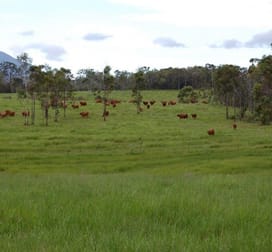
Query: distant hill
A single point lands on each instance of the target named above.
(4, 57)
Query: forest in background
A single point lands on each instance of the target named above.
(247, 90)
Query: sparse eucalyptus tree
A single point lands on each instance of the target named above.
(108, 85)
(138, 86)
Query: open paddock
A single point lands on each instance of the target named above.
(135, 182)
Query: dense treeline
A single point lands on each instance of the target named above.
(169, 78)
(246, 90)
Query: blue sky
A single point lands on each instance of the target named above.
(127, 34)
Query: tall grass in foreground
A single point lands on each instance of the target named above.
(147, 182)
(135, 213)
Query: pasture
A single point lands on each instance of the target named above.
(147, 182)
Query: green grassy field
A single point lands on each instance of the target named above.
(147, 182)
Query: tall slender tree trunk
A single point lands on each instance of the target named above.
(33, 110)
(64, 104)
(46, 114)
(227, 107)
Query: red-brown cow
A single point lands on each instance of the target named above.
(106, 113)
(84, 114)
(172, 102)
(234, 126)
(152, 102)
(11, 113)
(211, 132)
(182, 115)
(145, 103)
(7, 113)
(194, 116)
(83, 103)
(114, 102)
(164, 103)
(25, 113)
(3, 114)
(75, 106)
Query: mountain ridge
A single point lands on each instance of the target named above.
(4, 57)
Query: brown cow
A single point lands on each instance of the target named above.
(3, 114)
(63, 104)
(75, 106)
(172, 102)
(152, 102)
(84, 114)
(11, 113)
(182, 115)
(25, 113)
(211, 132)
(194, 116)
(83, 103)
(234, 126)
(114, 103)
(106, 113)
(7, 113)
(164, 103)
(145, 103)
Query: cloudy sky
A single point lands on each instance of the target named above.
(128, 34)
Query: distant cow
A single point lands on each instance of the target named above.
(25, 113)
(7, 113)
(172, 102)
(63, 104)
(106, 113)
(84, 114)
(194, 116)
(211, 132)
(182, 115)
(114, 102)
(234, 126)
(145, 103)
(164, 103)
(11, 113)
(75, 106)
(152, 102)
(3, 114)
(83, 103)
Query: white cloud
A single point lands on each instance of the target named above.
(96, 36)
(212, 13)
(260, 40)
(128, 34)
(52, 52)
(27, 33)
(167, 42)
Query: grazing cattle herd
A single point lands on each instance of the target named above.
(7, 113)
(113, 103)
